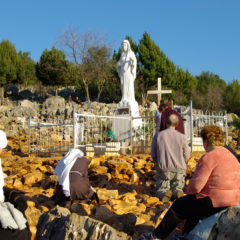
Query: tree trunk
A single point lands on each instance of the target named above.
(100, 88)
(2, 95)
(144, 98)
(87, 90)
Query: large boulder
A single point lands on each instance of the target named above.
(54, 102)
(11, 91)
(54, 106)
(60, 224)
(227, 226)
(21, 111)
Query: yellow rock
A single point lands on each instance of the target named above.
(140, 164)
(152, 201)
(105, 194)
(17, 183)
(96, 161)
(32, 214)
(135, 178)
(100, 169)
(128, 159)
(33, 177)
(81, 208)
(143, 218)
(33, 231)
(31, 204)
(129, 197)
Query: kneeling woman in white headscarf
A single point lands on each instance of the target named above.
(13, 224)
(74, 183)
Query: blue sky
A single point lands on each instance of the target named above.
(196, 35)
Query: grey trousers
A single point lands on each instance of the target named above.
(167, 180)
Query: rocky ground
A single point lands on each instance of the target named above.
(125, 185)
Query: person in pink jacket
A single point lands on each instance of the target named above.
(214, 186)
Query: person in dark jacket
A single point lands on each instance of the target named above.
(74, 182)
(167, 111)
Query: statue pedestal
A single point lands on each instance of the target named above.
(123, 110)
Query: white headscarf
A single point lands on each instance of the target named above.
(64, 166)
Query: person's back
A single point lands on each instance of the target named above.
(165, 114)
(223, 173)
(80, 188)
(172, 150)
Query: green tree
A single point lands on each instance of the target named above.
(9, 62)
(53, 68)
(153, 63)
(185, 86)
(28, 68)
(232, 97)
(211, 88)
(98, 61)
(76, 46)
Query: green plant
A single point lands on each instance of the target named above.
(236, 123)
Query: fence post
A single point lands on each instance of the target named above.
(74, 129)
(131, 129)
(226, 127)
(191, 125)
(29, 135)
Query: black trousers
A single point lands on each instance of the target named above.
(7, 234)
(187, 208)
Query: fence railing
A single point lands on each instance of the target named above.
(195, 120)
(49, 137)
(108, 134)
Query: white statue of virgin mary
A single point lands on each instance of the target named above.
(126, 68)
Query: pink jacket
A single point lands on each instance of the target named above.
(217, 176)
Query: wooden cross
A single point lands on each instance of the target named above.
(159, 91)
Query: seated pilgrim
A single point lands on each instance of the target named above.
(215, 185)
(74, 183)
(13, 224)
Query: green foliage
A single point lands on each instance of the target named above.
(209, 92)
(28, 68)
(150, 64)
(54, 69)
(16, 67)
(9, 63)
(99, 64)
(206, 79)
(236, 122)
(111, 91)
(232, 97)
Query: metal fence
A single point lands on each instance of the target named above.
(113, 133)
(50, 137)
(195, 120)
(110, 134)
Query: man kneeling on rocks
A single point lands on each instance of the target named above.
(170, 152)
(74, 183)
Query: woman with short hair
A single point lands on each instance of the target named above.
(214, 186)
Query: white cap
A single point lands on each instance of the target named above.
(3, 139)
